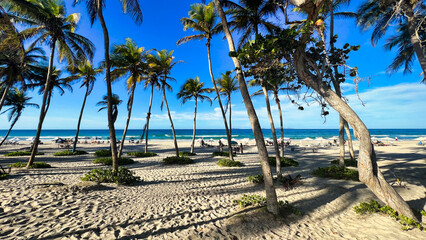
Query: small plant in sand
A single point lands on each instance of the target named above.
(103, 153)
(177, 160)
(3, 175)
(108, 161)
(69, 153)
(35, 165)
(348, 162)
(375, 207)
(285, 162)
(251, 200)
(222, 154)
(289, 182)
(336, 172)
(122, 176)
(256, 179)
(186, 154)
(21, 153)
(141, 154)
(286, 207)
(229, 163)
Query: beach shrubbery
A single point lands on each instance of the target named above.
(108, 161)
(229, 163)
(69, 153)
(141, 154)
(336, 172)
(35, 165)
(177, 160)
(3, 176)
(222, 154)
(103, 153)
(348, 162)
(285, 162)
(251, 200)
(186, 154)
(256, 179)
(122, 176)
(21, 153)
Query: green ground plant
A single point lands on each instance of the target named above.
(108, 161)
(250, 200)
(286, 207)
(186, 154)
(35, 165)
(348, 162)
(177, 160)
(256, 179)
(103, 153)
(336, 172)
(224, 162)
(222, 154)
(3, 176)
(21, 153)
(285, 162)
(69, 153)
(141, 154)
(122, 176)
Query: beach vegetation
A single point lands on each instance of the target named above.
(3, 175)
(256, 179)
(222, 154)
(142, 154)
(336, 172)
(34, 165)
(187, 154)
(226, 85)
(70, 153)
(177, 160)
(103, 153)
(348, 162)
(251, 200)
(108, 160)
(225, 162)
(21, 153)
(121, 176)
(285, 162)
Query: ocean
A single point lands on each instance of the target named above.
(186, 134)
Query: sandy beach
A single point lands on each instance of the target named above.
(196, 201)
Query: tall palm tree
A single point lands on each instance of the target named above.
(151, 81)
(271, 195)
(18, 101)
(227, 85)
(129, 61)
(203, 19)
(115, 102)
(95, 10)
(162, 63)
(193, 89)
(49, 24)
(87, 73)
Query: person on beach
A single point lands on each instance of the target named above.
(220, 146)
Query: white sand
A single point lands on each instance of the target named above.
(196, 201)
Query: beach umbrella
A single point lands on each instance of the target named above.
(386, 139)
(319, 139)
(55, 139)
(333, 138)
(420, 139)
(307, 139)
(234, 142)
(30, 139)
(15, 139)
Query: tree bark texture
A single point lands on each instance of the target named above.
(79, 120)
(171, 120)
(129, 115)
(148, 116)
(195, 126)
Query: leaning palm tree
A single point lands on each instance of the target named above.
(115, 102)
(227, 85)
(87, 73)
(49, 24)
(193, 89)
(203, 19)
(128, 61)
(18, 101)
(151, 81)
(162, 63)
(95, 9)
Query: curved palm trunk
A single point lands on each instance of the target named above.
(128, 119)
(195, 123)
(43, 109)
(350, 144)
(171, 120)
(230, 114)
(271, 195)
(3, 97)
(277, 101)
(111, 127)
(274, 134)
(79, 120)
(148, 116)
(10, 129)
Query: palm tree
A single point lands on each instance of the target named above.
(153, 82)
(203, 19)
(193, 89)
(162, 63)
(128, 61)
(227, 85)
(95, 10)
(87, 73)
(271, 195)
(115, 102)
(18, 101)
(52, 26)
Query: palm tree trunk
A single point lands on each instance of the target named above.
(128, 119)
(6, 91)
(10, 129)
(148, 116)
(195, 123)
(171, 120)
(341, 141)
(111, 128)
(43, 109)
(271, 195)
(274, 134)
(350, 144)
(277, 101)
(228, 136)
(230, 114)
(79, 120)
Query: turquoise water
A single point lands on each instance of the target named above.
(403, 134)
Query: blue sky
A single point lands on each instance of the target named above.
(391, 101)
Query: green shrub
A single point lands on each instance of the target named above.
(364, 208)
(255, 178)
(249, 200)
(222, 154)
(35, 165)
(3, 176)
(336, 172)
(177, 160)
(285, 162)
(287, 207)
(103, 153)
(122, 176)
(69, 153)
(141, 154)
(422, 212)
(348, 162)
(21, 153)
(186, 154)
(108, 161)
(229, 163)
